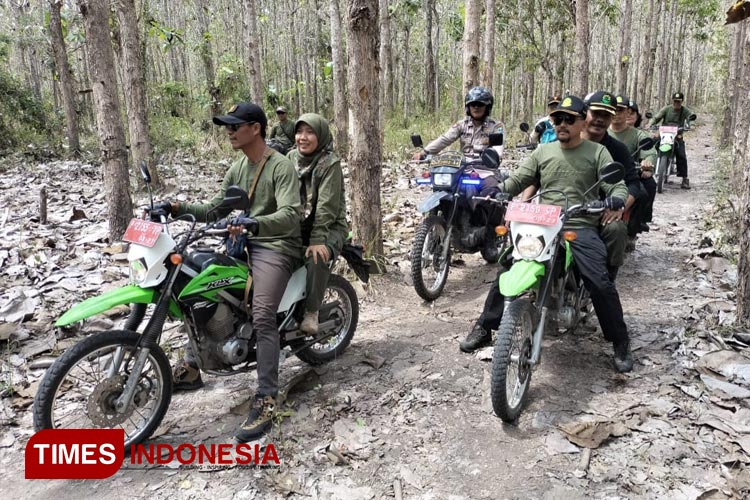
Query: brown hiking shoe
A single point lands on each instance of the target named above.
(259, 421)
(310, 323)
(186, 377)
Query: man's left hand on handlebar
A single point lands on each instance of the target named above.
(239, 225)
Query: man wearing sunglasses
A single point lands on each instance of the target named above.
(570, 165)
(275, 248)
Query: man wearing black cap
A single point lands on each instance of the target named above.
(544, 131)
(275, 248)
(283, 132)
(602, 109)
(570, 165)
(676, 115)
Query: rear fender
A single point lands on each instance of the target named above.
(129, 294)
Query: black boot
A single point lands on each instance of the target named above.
(259, 421)
(623, 357)
(186, 377)
(477, 337)
(685, 183)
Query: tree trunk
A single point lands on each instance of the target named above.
(648, 57)
(363, 39)
(107, 110)
(205, 52)
(134, 87)
(339, 81)
(471, 44)
(406, 77)
(386, 61)
(65, 76)
(623, 62)
(581, 78)
(488, 56)
(251, 40)
(743, 159)
(429, 79)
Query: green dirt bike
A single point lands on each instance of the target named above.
(122, 378)
(542, 289)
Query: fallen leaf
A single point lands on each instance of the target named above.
(592, 434)
(557, 444)
(724, 390)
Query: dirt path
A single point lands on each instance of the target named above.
(421, 425)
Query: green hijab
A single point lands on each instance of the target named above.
(322, 131)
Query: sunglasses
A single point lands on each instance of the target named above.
(569, 119)
(477, 104)
(234, 127)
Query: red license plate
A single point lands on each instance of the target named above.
(142, 232)
(532, 213)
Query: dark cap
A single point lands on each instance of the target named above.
(622, 101)
(633, 105)
(571, 105)
(678, 96)
(601, 101)
(244, 112)
(553, 100)
(280, 109)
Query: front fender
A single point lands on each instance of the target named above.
(522, 275)
(433, 200)
(129, 294)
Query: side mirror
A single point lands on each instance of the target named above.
(496, 139)
(145, 173)
(490, 157)
(612, 172)
(416, 140)
(693, 117)
(649, 115)
(235, 197)
(524, 127)
(646, 143)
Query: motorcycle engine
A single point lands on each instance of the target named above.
(218, 339)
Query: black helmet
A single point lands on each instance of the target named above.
(479, 94)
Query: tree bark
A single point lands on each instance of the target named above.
(134, 87)
(107, 110)
(386, 61)
(67, 82)
(623, 63)
(251, 40)
(743, 159)
(581, 78)
(205, 52)
(339, 81)
(363, 38)
(471, 44)
(488, 56)
(429, 79)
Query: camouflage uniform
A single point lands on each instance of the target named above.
(474, 139)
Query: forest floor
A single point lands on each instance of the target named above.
(409, 415)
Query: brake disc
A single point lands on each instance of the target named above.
(101, 403)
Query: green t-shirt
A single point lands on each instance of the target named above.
(275, 203)
(631, 137)
(668, 116)
(572, 171)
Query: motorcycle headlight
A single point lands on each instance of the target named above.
(529, 247)
(138, 271)
(442, 179)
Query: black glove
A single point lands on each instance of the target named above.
(502, 196)
(608, 203)
(540, 128)
(248, 222)
(160, 208)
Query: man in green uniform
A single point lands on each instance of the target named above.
(283, 132)
(676, 115)
(275, 248)
(570, 165)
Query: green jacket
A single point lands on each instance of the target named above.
(668, 116)
(571, 171)
(322, 179)
(631, 137)
(275, 203)
(283, 132)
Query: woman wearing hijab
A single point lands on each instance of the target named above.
(322, 194)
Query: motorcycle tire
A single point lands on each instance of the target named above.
(659, 174)
(511, 379)
(333, 346)
(99, 350)
(423, 258)
(666, 169)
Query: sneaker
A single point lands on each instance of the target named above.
(477, 337)
(685, 183)
(259, 421)
(623, 357)
(309, 323)
(186, 377)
